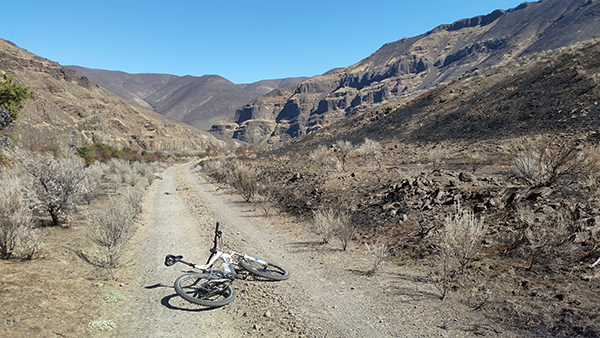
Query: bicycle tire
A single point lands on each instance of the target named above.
(271, 271)
(195, 288)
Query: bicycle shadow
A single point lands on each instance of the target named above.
(174, 302)
(170, 300)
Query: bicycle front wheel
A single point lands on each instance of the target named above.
(196, 288)
(270, 270)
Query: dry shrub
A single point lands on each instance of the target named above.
(540, 162)
(463, 233)
(324, 222)
(379, 253)
(244, 180)
(547, 234)
(17, 236)
(216, 169)
(371, 150)
(460, 242)
(329, 223)
(110, 229)
(341, 150)
(321, 156)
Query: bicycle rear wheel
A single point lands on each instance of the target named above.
(270, 271)
(196, 288)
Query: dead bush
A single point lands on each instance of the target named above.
(110, 229)
(547, 234)
(378, 252)
(321, 156)
(341, 150)
(543, 163)
(462, 236)
(371, 150)
(244, 180)
(329, 223)
(324, 223)
(459, 244)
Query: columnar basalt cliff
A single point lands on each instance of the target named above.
(70, 111)
(411, 65)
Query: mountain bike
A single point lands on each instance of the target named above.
(213, 288)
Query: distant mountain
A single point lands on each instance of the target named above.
(198, 101)
(410, 65)
(69, 111)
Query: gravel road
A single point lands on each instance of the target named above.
(327, 295)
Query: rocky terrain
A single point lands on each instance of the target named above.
(70, 111)
(198, 101)
(409, 65)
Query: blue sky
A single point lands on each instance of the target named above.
(243, 41)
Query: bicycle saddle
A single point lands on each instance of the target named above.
(171, 259)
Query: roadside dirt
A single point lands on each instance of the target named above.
(327, 295)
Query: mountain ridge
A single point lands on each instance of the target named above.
(410, 65)
(200, 101)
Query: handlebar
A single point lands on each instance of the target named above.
(213, 250)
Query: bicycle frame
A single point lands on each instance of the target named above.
(227, 258)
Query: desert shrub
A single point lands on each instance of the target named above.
(111, 228)
(244, 179)
(463, 233)
(321, 156)
(17, 236)
(59, 183)
(324, 224)
(542, 163)
(329, 223)
(341, 151)
(216, 169)
(142, 168)
(547, 234)
(379, 253)
(371, 150)
(443, 274)
(459, 244)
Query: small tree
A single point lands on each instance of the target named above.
(59, 183)
(12, 96)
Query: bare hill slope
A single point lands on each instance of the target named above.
(198, 101)
(70, 111)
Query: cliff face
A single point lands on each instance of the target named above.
(413, 64)
(70, 111)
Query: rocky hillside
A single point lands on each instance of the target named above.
(70, 111)
(412, 64)
(198, 101)
(552, 92)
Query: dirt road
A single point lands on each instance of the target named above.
(327, 295)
